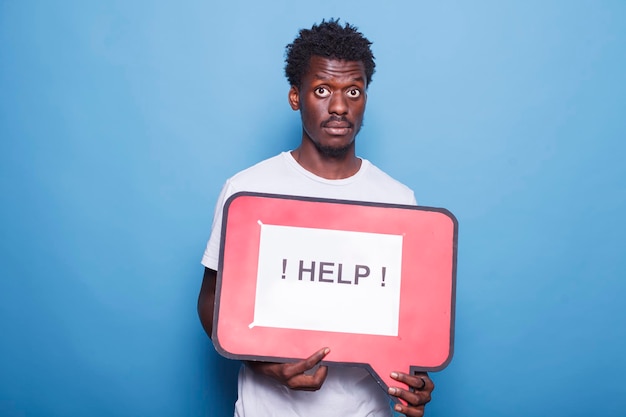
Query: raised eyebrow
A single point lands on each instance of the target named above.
(355, 79)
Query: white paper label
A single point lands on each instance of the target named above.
(328, 280)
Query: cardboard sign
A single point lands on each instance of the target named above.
(373, 282)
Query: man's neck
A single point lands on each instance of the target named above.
(325, 166)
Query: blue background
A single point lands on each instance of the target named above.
(120, 121)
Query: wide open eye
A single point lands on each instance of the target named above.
(354, 93)
(322, 92)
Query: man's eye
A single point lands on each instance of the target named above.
(354, 93)
(322, 92)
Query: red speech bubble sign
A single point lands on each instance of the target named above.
(374, 282)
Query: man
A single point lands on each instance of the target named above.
(329, 68)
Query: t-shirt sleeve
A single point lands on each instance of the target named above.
(211, 256)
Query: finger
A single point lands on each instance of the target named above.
(409, 411)
(429, 385)
(320, 375)
(308, 382)
(420, 385)
(418, 382)
(412, 399)
(309, 363)
(315, 381)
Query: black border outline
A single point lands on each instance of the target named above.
(367, 366)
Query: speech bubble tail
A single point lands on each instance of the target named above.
(382, 374)
(251, 325)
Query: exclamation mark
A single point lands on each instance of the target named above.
(284, 267)
(382, 284)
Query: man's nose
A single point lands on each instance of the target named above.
(338, 104)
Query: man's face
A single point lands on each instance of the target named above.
(331, 101)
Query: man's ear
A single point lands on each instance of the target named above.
(294, 98)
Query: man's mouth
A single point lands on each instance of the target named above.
(337, 124)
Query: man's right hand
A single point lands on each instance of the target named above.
(294, 375)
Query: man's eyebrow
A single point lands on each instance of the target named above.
(324, 78)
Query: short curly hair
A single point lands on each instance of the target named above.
(330, 40)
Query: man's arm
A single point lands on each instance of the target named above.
(291, 375)
(206, 300)
(418, 395)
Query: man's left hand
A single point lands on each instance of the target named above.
(416, 397)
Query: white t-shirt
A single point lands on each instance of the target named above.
(347, 391)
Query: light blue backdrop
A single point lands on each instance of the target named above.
(120, 120)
